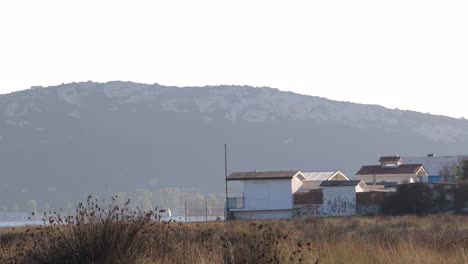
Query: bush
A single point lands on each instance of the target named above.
(418, 198)
(92, 235)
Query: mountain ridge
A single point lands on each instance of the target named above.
(108, 137)
(223, 86)
(144, 93)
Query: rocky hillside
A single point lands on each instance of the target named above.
(63, 141)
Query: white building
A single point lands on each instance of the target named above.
(265, 195)
(314, 179)
(435, 164)
(392, 170)
(339, 197)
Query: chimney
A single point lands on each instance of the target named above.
(390, 161)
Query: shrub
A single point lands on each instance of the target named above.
(418, 198)
(92, 235)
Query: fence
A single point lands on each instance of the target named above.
(236, 202)
(204, 209)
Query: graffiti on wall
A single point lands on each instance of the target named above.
(339, 206)
(308, 210)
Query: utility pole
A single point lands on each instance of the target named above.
(185, 210)
(206, 210)
(225, 181)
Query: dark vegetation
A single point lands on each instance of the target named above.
(461, 198)
(420, 199)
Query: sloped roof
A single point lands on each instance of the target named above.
(262, 175)
(340, 183)
(318, 175)
(408, 169)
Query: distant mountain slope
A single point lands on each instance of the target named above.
(76, 138)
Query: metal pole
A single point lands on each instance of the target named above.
(206, 210)
(225, 181)
(185, 210)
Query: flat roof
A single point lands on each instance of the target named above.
(262, 175)
(340, 183)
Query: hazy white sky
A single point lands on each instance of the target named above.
(406, 54)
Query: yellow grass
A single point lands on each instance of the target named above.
(407, 239)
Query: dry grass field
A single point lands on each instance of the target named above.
(136, 239)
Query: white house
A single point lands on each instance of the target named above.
(314, 179)
(339, 197)
(392, 170)
(265, 195)
(435, 165)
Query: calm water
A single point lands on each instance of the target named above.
(21, 219)
(20, 223)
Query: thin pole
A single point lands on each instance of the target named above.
(185, 210)
(225, 181)
(206, 210)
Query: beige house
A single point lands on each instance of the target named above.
(392, 170)
(314, 179)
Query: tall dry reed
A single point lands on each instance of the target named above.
(116, 235)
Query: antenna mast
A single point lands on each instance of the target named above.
(225, 182)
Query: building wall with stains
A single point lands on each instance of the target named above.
(268, 195)
(339, 201)
(301, 210)
(264, 215)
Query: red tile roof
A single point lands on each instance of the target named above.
(408, 169)
(262, 175)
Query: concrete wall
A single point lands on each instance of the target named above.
(264, 215)
(308, 210)
(268, 194)
(339, 201)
